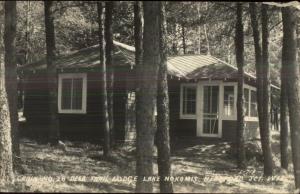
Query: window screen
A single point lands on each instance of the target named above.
(71, 96)
(66, 93)
(229, 100)
(253, 107)
(189, 100)
(246, 101)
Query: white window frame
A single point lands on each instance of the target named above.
(250, 118)
(234, 115)
(84, 92)
(188, 116)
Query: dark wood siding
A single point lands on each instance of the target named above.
(229, 130)
(179, 127)
(88, 126)
(76, 126)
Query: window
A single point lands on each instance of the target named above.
(72, 93)
(250, 103)
(253, 107)
(246, 101)
(229, 101)
(188, 100)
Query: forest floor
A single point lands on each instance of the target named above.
(207, 167)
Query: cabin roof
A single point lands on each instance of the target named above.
(201, 67)
(192, 67)
(86, 58)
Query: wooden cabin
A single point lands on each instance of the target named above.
(202, 94)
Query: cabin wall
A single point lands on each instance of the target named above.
(229, 130)
(88, 126)
(188, 127)
(75, 126)
(179, 127)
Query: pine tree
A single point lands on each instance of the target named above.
(104, 107)
(266, 90)
(239, 48)
(146, 96)
(163, 136)
(289, 60)
(6, 161)
(108, 36)
(11, 82)
(51, 72)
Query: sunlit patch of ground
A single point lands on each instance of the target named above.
(80, 167)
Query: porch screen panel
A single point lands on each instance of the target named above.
(189, 100)
(211, 109)
(253, 107)
(228, 100)
(66, 93)
(77, 94)
(246, 101)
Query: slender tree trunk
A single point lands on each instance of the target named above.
(104, 106)
(11, 81)
(207, 41)
(265, 132)
(258, 61)
(174, 42)
(6, 155)
(51, 72)
(205, 31)
(138, 42)
(199, 28)
(138, 35)
(289, 61)
(183, 33)
(6, 161)
(108, 35)
(27, 35)
(163, 136)
(239, 48)
(284, 141)
(146, 101)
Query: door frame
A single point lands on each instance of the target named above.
(200, 89)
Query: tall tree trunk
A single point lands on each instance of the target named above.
(27, 35)
(239, 49)
(284, 141)
(183, 34)
(104, 106)
(138, 35)
(163, 136)
(51, 72)
(199, 28)
(138, 43)
(205, 31)
(258, 61)
(11, 82)
(147, 93)
(289, 60)
(6, 161)
(174, 42)
(6, 155)
(108, 35)
(265, 132)
(207, 41)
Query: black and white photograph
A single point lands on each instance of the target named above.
(149, 97)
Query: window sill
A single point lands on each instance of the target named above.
(188, 117)
(251, 118)
(72, 112)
